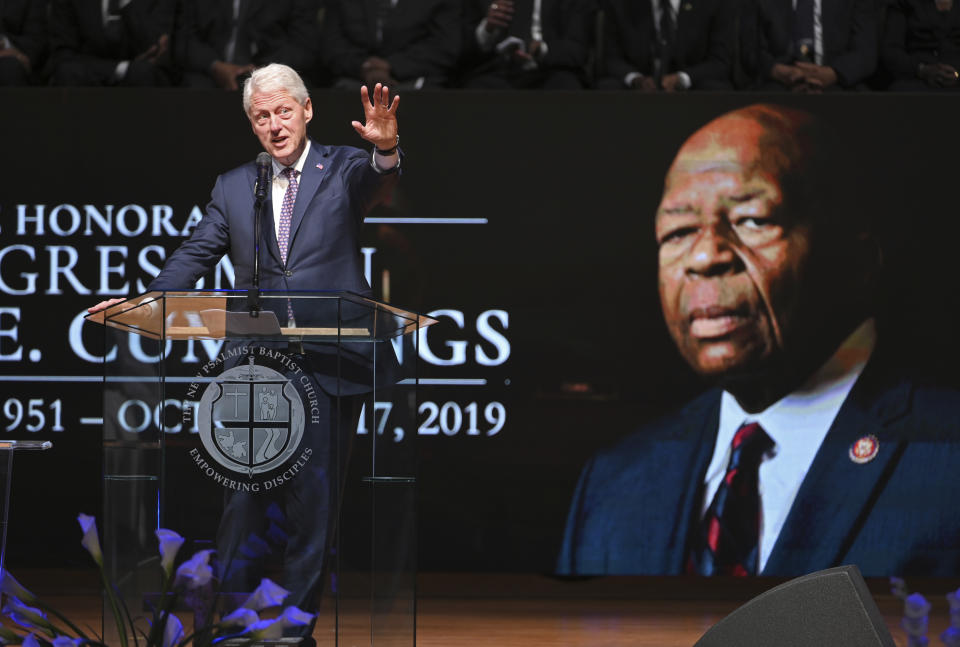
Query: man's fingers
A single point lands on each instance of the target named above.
(385, 97)
(364, 97)
(358, 127)
(103, 305)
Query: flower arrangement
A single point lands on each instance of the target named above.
(35, 624)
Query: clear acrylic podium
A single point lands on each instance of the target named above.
(8, 449)
(286, 446)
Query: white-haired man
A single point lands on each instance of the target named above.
(317, 200)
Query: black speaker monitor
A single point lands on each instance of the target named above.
(822, 609)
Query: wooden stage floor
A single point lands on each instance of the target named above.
(532, 611)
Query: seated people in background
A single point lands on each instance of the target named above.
(921, 45)
(667, 45)
(23, 34)
(817, 449)
(527, 43)
(406, 45)
(783, 51)
(221, 41)
(115, 42)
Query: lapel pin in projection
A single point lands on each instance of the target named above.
(320, 166)
(864, 450)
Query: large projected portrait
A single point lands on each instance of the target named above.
(676, 334)
(815, 448)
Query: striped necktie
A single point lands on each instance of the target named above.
(286, 211)
(283, 230)
(727, 541)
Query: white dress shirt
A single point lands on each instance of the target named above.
(797, 424)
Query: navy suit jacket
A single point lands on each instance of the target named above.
(850, 38)
(704, 34)
(24, 23)
(566, 24)
(338, 185)
(77, 33)
(420, 38)
(916, 32)
(635, 505)
(269, 31)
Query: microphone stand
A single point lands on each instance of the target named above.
(253, 293)
(260, 196)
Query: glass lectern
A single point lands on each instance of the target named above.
(276, 433)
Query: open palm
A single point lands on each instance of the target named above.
(380, 117)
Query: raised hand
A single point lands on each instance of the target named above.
(380, 116)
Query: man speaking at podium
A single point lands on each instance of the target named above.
(315, 205)
(815, 451)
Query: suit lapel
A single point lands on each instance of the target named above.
(700, 428)
(836, 494)
(311, 177)
(268, 230)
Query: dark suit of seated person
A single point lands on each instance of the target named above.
(921, 45)
(23, 35)
(219, 42)
(782, 49)
(521, 44)
(407, 45)
(116, 42)
(667, 45)
(816, 450)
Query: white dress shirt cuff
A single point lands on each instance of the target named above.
(121, 71)
(485, 39)
(542, 52)
(385, 163)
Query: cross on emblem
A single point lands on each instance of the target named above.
(251, 422)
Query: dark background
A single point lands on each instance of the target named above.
(568, 183)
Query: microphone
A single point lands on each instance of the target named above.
(264, 164)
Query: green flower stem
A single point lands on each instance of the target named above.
(121, 629)
(9, 635)
(133, 628)
(168, 601)
(64, 619)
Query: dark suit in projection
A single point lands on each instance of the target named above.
(636, 502)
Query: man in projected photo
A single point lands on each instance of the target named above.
(814, 451)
